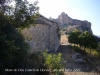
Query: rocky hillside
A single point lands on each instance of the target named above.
(68, 24)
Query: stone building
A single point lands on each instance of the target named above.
(44, 35)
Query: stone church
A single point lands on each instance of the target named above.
(42, 36)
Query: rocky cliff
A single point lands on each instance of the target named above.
(68, 24)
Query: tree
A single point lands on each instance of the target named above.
(74, 37)
(81, 41)
(22, 14)
(93, 43)
(13, 48)
(98, 47)
(84, 40)
(77, 35)
(88, 41)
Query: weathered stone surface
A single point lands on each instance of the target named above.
(43, 35)
(65, 21)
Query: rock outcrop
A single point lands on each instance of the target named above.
(70, 24)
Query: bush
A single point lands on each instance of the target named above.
(42, 60)
(96, 53)
(54, 62)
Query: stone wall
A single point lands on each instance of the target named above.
(42, 36)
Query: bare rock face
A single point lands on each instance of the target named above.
(65, 21)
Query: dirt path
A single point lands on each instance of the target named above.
(71, 67)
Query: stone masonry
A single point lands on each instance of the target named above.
(43, 35)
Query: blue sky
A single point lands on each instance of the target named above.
(77, 9)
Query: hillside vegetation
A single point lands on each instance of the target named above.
(86, 44)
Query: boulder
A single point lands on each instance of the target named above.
(76, 56)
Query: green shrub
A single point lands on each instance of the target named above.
(54, 62)
(42, 60)
(96, 53)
